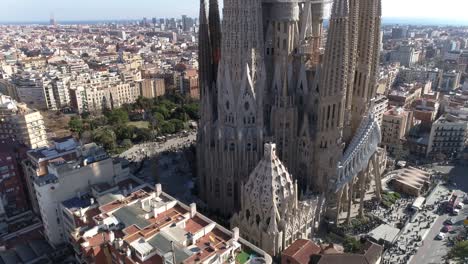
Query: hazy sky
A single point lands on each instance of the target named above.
(40, 10)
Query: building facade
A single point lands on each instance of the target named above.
(21, 124)
(263, 79)
(271, 216)
(448, 137)
(66, 180)
(136, 223)
(98, 97)
(396, 124)
(36, 163)
(13, 199)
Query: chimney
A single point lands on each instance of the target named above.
(158, 189)
(193, 209)
(118, 243)
(235, 233)
(155, 212)
(91, 200)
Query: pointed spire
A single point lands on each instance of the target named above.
(204, 59)
(215, 32)
(340, 8)
(203, 17)
(273, 225)
(306, 26)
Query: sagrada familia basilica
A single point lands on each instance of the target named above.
(287, 131)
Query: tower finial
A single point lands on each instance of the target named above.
(340, 8)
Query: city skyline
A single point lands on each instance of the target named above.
(33, 11)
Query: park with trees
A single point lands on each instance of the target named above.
(145, 120)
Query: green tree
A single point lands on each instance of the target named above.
(168, 104)
(161, 109)
(192, 110)
(126, 143)
(98, 122)
(75, 125)
(178, 124)
(85, 115)
(180, 114)
(143, 103)
(159, 117)
(117, 116)
(105, 137)
(86, 136)
(459, 251)
(128, 107)
(351, 245)
(167, 128)
(142, 134)
(124, 132)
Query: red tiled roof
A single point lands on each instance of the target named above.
(301, 250)
(194, 224)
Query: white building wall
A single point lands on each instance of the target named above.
(69, 184)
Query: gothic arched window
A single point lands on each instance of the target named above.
(217, 189)
(229, 189)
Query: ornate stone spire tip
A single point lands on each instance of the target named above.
(270, 150)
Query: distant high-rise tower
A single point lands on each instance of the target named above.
(52, 21)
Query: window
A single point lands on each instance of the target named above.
(217, 189)
(229, 189)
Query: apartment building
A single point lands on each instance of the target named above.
(35, 90)
(406, 55)
(380, 107)
(67, 179)
(98, 97)
(420, 74)
(396, 123)
(151, 88)
(13, 199)
(450, 81)
(405, 95)
(21, 124)
(36, 163)
(448, 137)
(142, 224)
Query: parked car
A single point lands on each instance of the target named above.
(449, 221)
(465, 199)
(446, 228)
(456, 211)
(459, 206)
(440, 236)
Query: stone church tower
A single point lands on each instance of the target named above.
(264, 77)
(230, 138)
(271, 216)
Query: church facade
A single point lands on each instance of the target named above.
(271, 215)
(266, 77)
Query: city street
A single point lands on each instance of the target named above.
(139, 152)
(165, 163)
(432, 250)
(410, 237)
